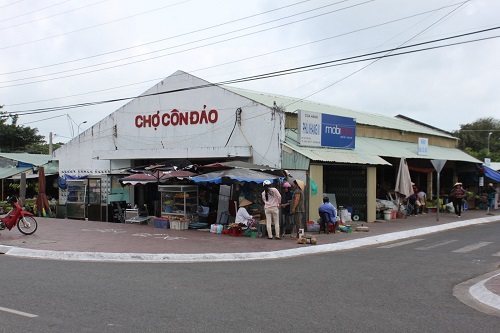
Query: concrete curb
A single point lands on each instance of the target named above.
(483, 295)
(225, 257)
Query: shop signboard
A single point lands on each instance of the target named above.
(326, 130)
(423, 146)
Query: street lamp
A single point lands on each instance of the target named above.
(489, 134)
(84, 122)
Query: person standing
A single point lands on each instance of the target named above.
(329, 213)
(422, 199)
(297, 206)
(412, 199)
(457, 194)
(272, 201)
(491, 193)
(285, 207)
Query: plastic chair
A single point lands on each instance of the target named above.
(224, 218)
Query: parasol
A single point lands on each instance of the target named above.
(403, 179)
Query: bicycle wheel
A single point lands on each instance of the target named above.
(27, 225)
(409, 209)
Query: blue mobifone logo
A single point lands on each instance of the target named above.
(338, 132)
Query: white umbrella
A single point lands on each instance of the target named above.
(403, 180)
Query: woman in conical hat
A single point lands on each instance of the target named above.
(242, 215)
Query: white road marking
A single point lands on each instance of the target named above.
(472, 247)
(401, 243)
(436, 245)
(20, 313)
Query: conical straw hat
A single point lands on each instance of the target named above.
(301, 184)
(245, 202)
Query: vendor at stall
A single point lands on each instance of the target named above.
(242, 215)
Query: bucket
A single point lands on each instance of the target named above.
(387, 214)
(168, 209)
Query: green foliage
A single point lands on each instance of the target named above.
(18, 139)
(474, 138)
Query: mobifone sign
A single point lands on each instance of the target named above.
(326, 130)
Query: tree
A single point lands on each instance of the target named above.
(14, 138)
(475, 138)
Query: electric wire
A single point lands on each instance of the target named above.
(10, 4)
(168, 54)
(338, 62)
(34, 11)
(378, 59)
(149, 43)
(248, 58)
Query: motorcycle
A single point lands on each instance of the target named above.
(24, 220)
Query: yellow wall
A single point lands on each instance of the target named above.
(371, 194)
(315, 200)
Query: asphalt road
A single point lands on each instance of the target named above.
(398, 287)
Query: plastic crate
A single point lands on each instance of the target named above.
(161, 223)
(313, 227)
(178, 225)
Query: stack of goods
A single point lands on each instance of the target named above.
(179, 223)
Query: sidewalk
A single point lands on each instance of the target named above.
(66, 239)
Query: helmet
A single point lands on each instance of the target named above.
(266, 183)
(286, 184)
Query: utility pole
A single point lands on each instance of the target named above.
(50, 144)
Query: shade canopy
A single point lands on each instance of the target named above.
(232, 175)
(157, 176)
(490, 173)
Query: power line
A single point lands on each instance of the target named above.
(175, 46)
(34, 11)
(338, 62)
(144, 44)
(12, 3)
(254, 56)
(378, 59)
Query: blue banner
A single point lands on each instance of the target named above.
(338, 132)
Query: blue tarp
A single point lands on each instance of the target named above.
(490, 173)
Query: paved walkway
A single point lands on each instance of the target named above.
(66, 239)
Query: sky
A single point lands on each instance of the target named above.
(58, 53)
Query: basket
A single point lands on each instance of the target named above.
(161, 223)
(178, 225)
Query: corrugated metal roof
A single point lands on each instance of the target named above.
(326, 154)
(495, 166)
(371, 151)
(9, 172)
(400, 149)
(293, 104)
(34, 159)
(323, 154)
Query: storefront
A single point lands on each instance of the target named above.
(186, 117)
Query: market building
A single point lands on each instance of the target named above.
(349, 154)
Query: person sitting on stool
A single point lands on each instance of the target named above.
(328, 211)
